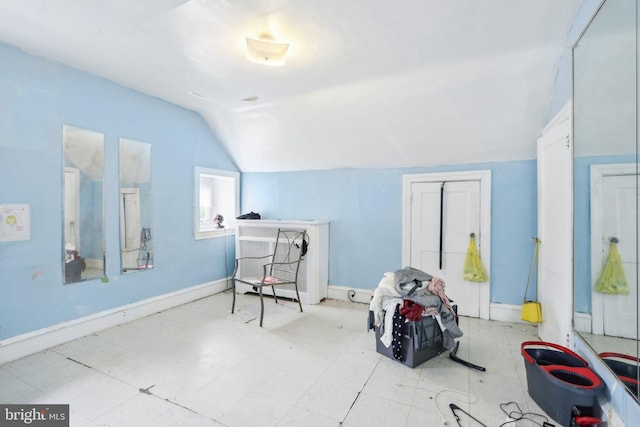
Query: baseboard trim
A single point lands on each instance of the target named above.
(506, 313)
(499, 312)
(344, 293)
(97, 264)
(582, 322)
(33, 342)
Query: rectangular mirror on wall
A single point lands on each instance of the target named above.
(83, 233)
(606, 239)
(136, 231)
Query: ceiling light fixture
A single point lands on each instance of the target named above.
(266, 51)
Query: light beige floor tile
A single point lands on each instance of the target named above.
(369, 410)
(200, 365)
(32, 363)
(255, 410)
(16, 390)
(296, 417)
(138, 410)
(328, 399)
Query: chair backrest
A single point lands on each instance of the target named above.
(291, 247)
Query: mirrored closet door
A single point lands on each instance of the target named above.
(83, 210)
(136, 230)
(606, 240)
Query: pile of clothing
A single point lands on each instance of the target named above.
(409, 294)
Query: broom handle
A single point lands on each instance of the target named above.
(533, 260)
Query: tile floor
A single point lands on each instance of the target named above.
(200, 365)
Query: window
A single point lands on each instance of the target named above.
(217, 193)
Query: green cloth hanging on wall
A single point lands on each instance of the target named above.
(473, 270)
(612, 280)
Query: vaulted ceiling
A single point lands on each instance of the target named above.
(367, 83)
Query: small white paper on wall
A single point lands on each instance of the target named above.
(14, 223)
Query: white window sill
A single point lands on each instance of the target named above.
(214, 233)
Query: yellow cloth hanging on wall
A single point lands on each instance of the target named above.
(473, 270)
(612, 280)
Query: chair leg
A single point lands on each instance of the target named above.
(273, 289)
(298, 295)
(261, 307)
(233, 291)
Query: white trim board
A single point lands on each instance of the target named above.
(33, 342)
(582, 322)
(343, 293)
(507, 313)
(499, 312)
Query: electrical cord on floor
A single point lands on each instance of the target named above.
(517, 415)
(446, 390)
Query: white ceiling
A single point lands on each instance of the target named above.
(368, 83)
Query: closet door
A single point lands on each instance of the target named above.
(620, 201)
(130, 228)
(71, 209)
(461, 216)
(613, 215)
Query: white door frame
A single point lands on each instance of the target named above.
(123, 238)
(75, 172)
(597, 173)
(484, 176)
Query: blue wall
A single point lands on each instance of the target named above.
(38, 98)
(364, 207)
(562, 87)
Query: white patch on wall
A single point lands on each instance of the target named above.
(14, 223)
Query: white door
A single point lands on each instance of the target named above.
(618, 203)
(555, 221)
(71, 209)
(129, 228)
(461, 217)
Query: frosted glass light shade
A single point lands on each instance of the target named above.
(266, 51)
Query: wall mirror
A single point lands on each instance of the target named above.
(83, 232)
(136, 231)
(605, 133)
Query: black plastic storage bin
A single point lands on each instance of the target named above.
(559, 380)
(421, 341)
(73, 270)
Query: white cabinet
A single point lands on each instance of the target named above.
(257, 237)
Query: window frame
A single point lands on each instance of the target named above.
(229, 228)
